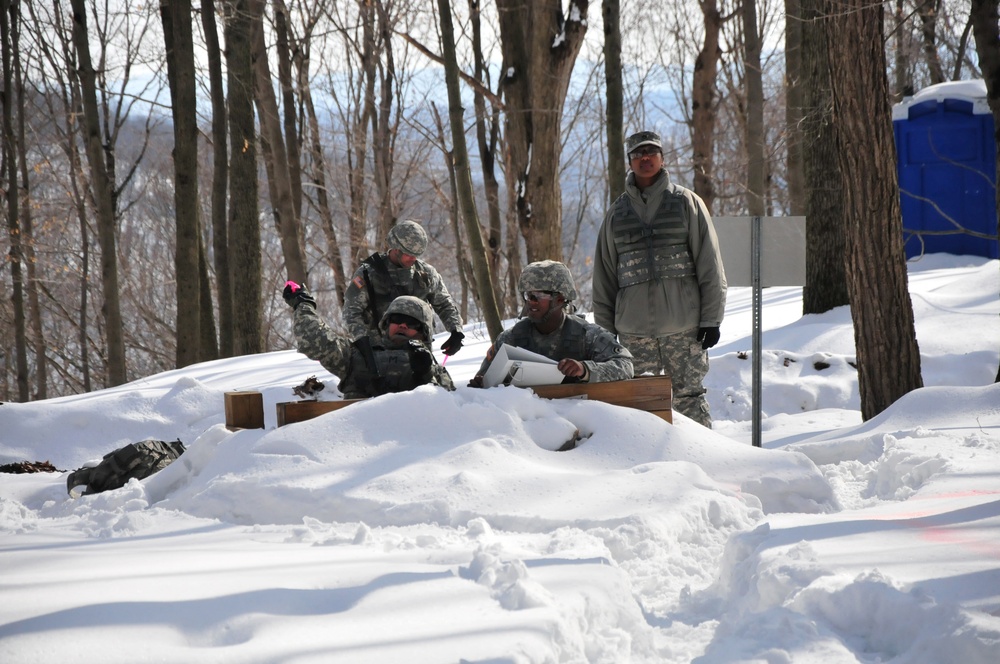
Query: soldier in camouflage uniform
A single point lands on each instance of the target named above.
(402, 360)
(382, 277)
(659, 283)
(586, 353)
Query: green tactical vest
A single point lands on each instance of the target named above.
(658, 250)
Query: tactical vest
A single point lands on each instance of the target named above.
(572, 343)
(394, 368)
(658, 250)
(382, 291)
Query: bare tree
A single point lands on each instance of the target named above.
(101, 186)
(756, 168)
(986, 28)
(876, 267)
(177, 34)
(826, 279)
(703, 104)
(244, 225)
(463, 177)
(615, 130)
(793, 108)
(540, 44)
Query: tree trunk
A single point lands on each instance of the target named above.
(463, 176)
(220, 176)
(826, 279)
(615, 126)
(986, 28)
(176, 17)
(888, 355)
(488, 137)
(756, 166)
(102, 191)
(12, 194)
(928, 11)
(244, 225)
(704, 112)
(795, 176)
(276, 154)
(539, 45)
(383, 130)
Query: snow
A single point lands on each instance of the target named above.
(439, 527)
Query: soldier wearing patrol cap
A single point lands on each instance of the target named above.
(382, 277)
(586, 353)
(400, 361)
(659, 282)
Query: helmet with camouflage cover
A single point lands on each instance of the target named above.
(550, 276)
(408, 237)
(413, 307)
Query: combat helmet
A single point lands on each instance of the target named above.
(550, 276)
(408, 237)
(413, 307)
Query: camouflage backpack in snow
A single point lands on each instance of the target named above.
(138, 460)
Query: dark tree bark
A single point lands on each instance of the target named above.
(244, 226)
(888, 355)
(986, 28)
(929, 11)
(704, 111)
(463, 177)
(793, 108)
(756, 164)
(103, 196)
(177, 34)
(220, 179)
(826, 279)
(615, 126)
(539, 44)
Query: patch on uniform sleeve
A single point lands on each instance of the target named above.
(358, 281)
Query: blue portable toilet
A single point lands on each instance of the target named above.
(946, 159)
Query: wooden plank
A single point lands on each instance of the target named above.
(649, 393)
(290, 412)
(244, 410)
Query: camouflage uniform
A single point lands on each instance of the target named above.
(317, 341)
(604, 358)
(379, 281)
(658, 279)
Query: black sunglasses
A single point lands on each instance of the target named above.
(538, 296)
(408, 321)
(645, 151)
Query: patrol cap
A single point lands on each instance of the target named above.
(413, 307)
(550, 276)
(641, 138)
(408, 237)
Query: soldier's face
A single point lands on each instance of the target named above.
(538, 304)
(400, 331)
(401, 259)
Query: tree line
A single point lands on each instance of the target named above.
(167, 167)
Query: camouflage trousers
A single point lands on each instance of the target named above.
(681, 357)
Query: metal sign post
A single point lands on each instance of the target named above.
(776, 257)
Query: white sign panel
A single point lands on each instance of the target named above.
(783, 250)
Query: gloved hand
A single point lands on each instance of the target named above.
(420, 358)
(708, 336)
(296, 294)
(454, 343)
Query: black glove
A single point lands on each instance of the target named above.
(420, 358)
(296, 294)
(708, 336)
(453, 344)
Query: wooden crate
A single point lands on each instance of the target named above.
(244, 410)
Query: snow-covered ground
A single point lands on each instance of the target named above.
(439, 527)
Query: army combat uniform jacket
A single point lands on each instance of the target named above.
(338, 356)
(379, 281)
(606, 359)
(658, 268)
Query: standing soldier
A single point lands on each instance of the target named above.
(659, 283)
(382, 277)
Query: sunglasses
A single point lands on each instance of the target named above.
(645, 151)
(538, 295)
(408, 321)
